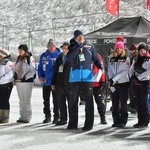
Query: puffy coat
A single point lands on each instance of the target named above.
(6, 71)
(142, 72)
(28, 68)
(46, 66)
(61, 72)
(118, 69)
(82, 68)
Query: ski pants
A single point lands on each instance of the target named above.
(24, 90)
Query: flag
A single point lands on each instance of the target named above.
(112, 6)
(148, 4)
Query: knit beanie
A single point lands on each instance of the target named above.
(64, 44)
(23, 47)
(77, 33)
(50, 42)
(119, 38)
(133, 47)
(119, 45)
(142, 45)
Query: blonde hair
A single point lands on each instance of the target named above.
(123, 54)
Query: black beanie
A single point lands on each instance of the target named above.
(23, 47)
(142, 45)
(77, 33)
(65, 44)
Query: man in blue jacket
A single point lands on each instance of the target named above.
(81, 56)
(45, 73)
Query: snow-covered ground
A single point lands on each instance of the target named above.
(38, 136)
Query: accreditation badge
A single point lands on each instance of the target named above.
(81, 57)
(60, 68)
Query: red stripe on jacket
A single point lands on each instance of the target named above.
(95, 70)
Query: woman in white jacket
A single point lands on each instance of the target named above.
(118, 70)
(24, 71)
(140, 76)
(6, 85)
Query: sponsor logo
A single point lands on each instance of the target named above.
(112, 34)
(92, 41)
(107, 41)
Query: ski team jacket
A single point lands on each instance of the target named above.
(28, 70)
(145, 76)
(46, 66)
(82, 71)
(61, 72)
(118, 69)
(6, 72)
(95, 71)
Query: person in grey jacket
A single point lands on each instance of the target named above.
(118, 69)
(24, 71)
(6, 84)
(140, 76)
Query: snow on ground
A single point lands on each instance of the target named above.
(38, 136)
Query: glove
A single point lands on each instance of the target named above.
(111, 82)
(102, 85)
(134, 80)
(15, 76)
(67, 88)
(72, 41)
(23, 79)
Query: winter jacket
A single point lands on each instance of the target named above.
(6, 71)
(81, 58)
(118, 69)
(96, 70)
(28, 69)
(46, 66)
(141, 71)
(61, 72)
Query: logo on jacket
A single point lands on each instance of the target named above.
(87, 46)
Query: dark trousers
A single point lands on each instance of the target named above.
(141, 97)
(5, 91)
(119, 104)
(46, 97)
(132, 103)
(73, 104)
(98, 94)
(82, 95)
(63, 97)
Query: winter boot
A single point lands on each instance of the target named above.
(47, 119)
(103, 120)
(1, 114)
(56, 119)
(5, 116)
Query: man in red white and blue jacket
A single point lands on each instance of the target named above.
(81, 57)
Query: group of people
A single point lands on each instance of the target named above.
(68, 73)
(22, 73)
(78, 67)
(129, 75)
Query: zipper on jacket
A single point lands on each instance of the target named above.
(81, 68)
